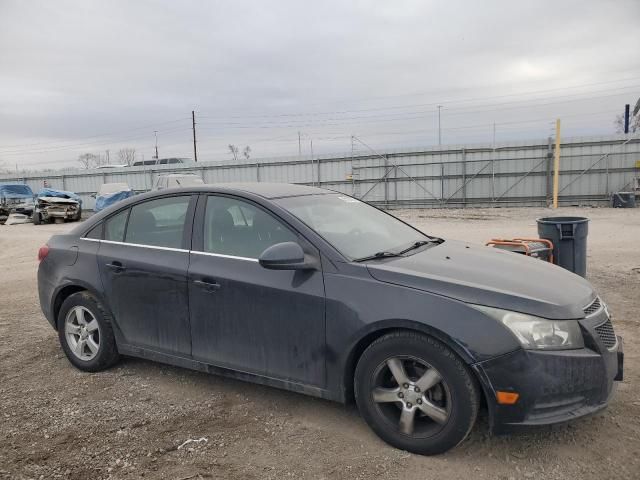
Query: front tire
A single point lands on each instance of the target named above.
(415, 393)
(86, 334)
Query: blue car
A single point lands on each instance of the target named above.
(15, 198)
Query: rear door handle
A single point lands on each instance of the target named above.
(207, 285)
(117, 267)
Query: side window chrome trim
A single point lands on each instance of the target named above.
(246, 259)
(139, 245)
(233, 257)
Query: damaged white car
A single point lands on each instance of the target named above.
(56, 206)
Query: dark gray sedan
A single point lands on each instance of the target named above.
(314, 291)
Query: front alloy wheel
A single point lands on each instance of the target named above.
(412, 394)
(416, 393)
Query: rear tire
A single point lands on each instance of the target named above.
(86, 334)
(415, 393)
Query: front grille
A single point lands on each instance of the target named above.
(593, 307)
(606, 334)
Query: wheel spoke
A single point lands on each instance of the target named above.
(385, 395)
(72, 329)
(92, 326)
(434, 412)
(397, 370)
(406, 420)
(430, 378)
(93, 346)
(78, 349)
(80, 316)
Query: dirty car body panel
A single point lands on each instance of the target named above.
(304, 330)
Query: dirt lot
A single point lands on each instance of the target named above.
(56, 422)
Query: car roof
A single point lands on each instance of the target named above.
(262, 189)
(268, 190)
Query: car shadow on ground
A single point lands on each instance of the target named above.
(344, 420)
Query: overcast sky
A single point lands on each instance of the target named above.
(87, 76)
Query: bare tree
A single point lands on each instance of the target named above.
(634, 123)
(246, 152)
(127, 156)
(89, 160)
(234, 151)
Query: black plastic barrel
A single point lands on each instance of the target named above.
(569, 238)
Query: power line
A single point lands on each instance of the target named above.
(100, 134)
(403, 115)
(447, 101)
(88, 144)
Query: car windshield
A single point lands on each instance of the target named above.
(15, 190)
(354, 228)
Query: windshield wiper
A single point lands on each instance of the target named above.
(418, 244)
(377, 256)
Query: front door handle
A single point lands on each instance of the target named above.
(210, 286)
(117, 267)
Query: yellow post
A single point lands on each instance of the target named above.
(556, 165)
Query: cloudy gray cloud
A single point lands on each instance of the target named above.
(86, 76)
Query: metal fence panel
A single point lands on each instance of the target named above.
(510, 173)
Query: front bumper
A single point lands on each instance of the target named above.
(554, 386)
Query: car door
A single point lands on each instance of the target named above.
(143, 261)
(243, 316)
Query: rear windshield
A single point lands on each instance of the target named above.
(17, 190)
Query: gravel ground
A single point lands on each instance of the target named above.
(131, 421)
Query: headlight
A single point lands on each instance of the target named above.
(538, 333)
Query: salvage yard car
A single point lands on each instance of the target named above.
(56, 206)
(15, 198)
(314, 291)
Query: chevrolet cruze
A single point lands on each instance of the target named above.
(317, 292)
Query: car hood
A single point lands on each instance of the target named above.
(489, 276)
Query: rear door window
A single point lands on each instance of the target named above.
(95, 233)
(158, 222)
(114, 226)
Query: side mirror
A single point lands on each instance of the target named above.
(284, 256)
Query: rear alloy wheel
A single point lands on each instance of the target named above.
(85, 333)
(82, 333)
(415, 393)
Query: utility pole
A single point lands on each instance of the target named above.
(193, 125)
(107, 153)
(556, 165)
(439, 130)
(626, 118)
(299, 147)
(156, 134)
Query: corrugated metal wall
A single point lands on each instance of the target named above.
(517, 173)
